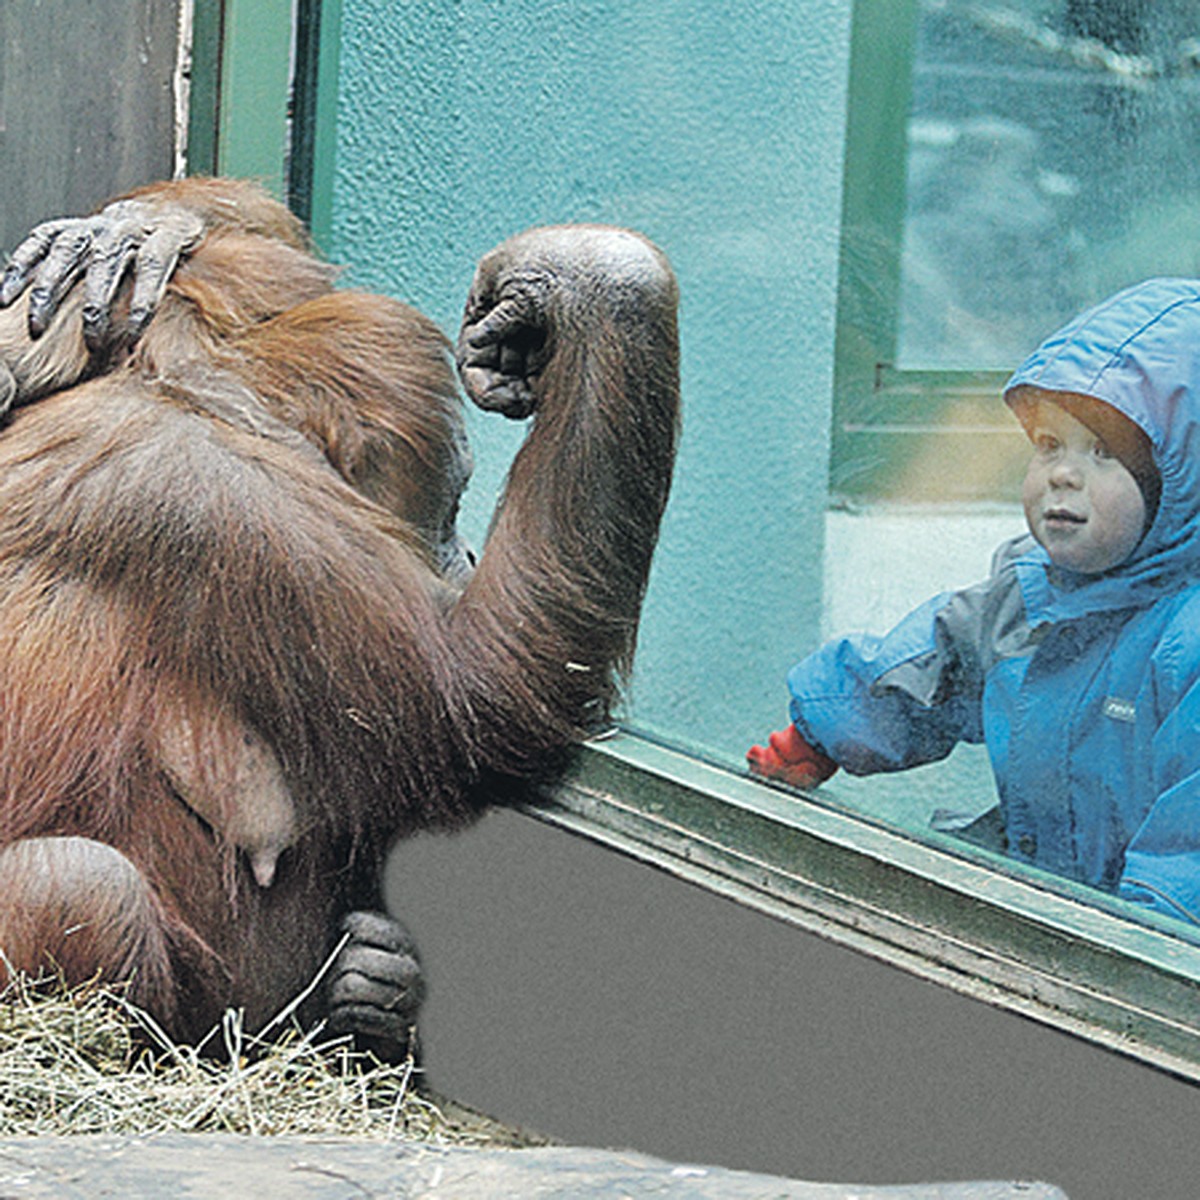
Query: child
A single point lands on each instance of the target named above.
(1078, 660)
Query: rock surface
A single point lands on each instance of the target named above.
(215, 1165)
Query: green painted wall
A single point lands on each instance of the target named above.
(717, 131)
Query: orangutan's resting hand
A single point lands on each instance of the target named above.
(144, 236)
(376, 986)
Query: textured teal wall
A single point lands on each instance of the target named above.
(716, 130)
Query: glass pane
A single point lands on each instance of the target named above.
(1051, 159)
(727, 144)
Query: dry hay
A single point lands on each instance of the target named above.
(86, 1061)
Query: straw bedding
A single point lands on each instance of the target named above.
(86, 1061)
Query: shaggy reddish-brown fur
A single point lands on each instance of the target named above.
(230, 558)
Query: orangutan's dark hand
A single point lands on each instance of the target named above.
(502, 344)
(542, 284)
(376, 987)
(148, 236)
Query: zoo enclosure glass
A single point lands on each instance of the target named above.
(741, 172)
(1008, 165)
(727, 147)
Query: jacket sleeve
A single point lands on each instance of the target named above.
(1162, 860)
(886, 703)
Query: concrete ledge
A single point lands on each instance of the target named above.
(207, 1165)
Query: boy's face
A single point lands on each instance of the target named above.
(1081, 503)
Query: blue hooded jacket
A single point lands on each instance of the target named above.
(1086, 688)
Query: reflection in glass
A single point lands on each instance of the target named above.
(1051, 160)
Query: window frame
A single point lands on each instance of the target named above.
(922, 406)
(1013, 938)
(263, 98)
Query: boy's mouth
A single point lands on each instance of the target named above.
(1063, 516)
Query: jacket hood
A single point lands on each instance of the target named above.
(1138, 351)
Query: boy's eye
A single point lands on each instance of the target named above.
(1045, 443)
(1101, 450)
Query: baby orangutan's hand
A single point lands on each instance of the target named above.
(790, 759)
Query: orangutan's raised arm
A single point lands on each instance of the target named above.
(575, 324)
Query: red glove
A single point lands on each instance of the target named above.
(790, 759)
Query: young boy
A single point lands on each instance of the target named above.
(1078, 660)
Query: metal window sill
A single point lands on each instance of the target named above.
(997, 936)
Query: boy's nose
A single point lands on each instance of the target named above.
(1067, 473)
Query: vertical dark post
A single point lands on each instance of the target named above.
(208, 27)
(304, 109)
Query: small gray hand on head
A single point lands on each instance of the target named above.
(141, 237)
